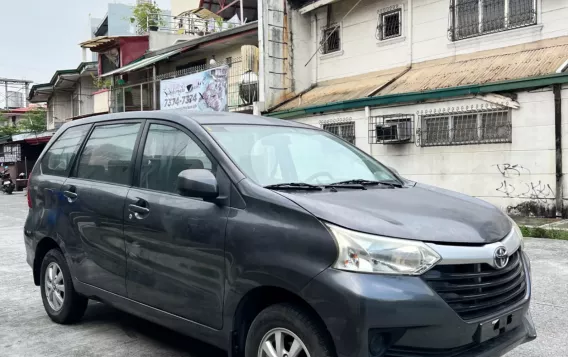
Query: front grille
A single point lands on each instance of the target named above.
(478, 290)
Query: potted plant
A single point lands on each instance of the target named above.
(147, 17)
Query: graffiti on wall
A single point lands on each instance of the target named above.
(516, 182)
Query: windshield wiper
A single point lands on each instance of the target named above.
(367, 183)
(293, 186)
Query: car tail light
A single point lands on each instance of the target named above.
(28, 192)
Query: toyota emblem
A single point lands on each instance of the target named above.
(501, 258)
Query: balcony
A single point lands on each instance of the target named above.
(143, 92)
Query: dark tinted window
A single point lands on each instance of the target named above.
(57, 161)
(167, 152)
(108, 153)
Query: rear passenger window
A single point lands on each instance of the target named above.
(57, 161)
(107, 156)
(167, 152)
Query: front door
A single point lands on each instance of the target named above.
(94, 203)
(174, 244)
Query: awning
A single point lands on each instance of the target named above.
(98, 41)
(315, 5)
(143, 63)
(530, 60)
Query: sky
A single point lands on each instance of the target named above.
(42, 36)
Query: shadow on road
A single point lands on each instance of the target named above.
(137, 328)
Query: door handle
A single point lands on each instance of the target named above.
(138, 209)
(70, 193)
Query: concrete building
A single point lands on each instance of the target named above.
(468, 98)
(69, 94)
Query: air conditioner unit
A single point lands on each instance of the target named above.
(394, 132)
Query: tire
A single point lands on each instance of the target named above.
(286, 318)
(73, 305)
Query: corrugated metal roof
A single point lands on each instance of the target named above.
(343, 89)
(509, 63)
(493, 68)
(143, 63)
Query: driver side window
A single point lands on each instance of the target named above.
(167, 152)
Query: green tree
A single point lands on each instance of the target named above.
(6, 127)
(147, 15)
(33, 121)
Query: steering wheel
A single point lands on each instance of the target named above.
(318, 174)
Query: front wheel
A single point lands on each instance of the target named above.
(286, 330)
(62, 304)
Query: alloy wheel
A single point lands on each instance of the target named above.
(54, 286)
(280, 342)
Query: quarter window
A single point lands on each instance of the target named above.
(107, 156)
(57, 161)
(167, 152)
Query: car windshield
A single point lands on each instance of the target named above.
(271, 155)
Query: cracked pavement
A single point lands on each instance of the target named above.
(25, 329)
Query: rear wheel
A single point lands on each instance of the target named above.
(285, 330)
(62, 304)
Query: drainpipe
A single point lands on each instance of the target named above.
(557, 91)
(410, 33)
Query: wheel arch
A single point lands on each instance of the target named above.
(258, 299)
(44, 246)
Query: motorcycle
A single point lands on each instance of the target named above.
(8, 185)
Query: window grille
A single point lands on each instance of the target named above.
(470, 18)
(390, 23)
(391, 129)
(331, 41)
(346, 130)
(465, 127)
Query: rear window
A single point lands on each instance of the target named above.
(107, 156)
(58, 159)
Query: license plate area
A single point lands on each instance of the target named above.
(498, 326)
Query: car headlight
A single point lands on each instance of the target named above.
(518, 232)
(367, 253)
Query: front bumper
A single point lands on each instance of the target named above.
(354, 305)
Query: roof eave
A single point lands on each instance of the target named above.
(515, 84)
(251, 26)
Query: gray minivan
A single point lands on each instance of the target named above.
(269, 238)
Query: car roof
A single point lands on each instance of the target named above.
(200, 118)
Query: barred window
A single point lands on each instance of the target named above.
(470, 18)
(331, 41)
(466, 128)
(390, 23)
(346, 131)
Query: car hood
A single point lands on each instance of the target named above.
(421, 212)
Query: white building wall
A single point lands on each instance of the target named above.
(84, 94)
(59, 108)
(478, 170)
(361, 52)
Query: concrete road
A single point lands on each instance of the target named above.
(25, 329)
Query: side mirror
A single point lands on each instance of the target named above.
(198, 183)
